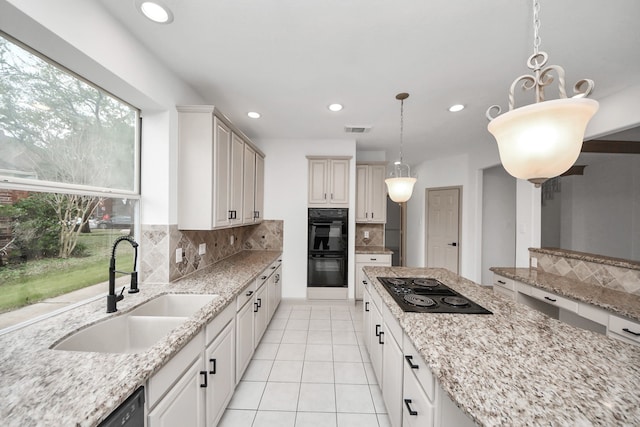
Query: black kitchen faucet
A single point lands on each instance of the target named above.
(112, 298)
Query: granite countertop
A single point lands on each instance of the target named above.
(44, 387)
(519, 367)
(373, 250)
(617, 302)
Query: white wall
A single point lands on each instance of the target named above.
(498, 221)
(286, 181)
(598, 212)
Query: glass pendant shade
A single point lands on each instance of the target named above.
(543, 140)
(400, 183)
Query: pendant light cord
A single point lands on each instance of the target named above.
(401, 126)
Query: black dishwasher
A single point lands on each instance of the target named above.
(129, 414)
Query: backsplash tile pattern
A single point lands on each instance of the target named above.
(160, 242)
(587, 269)
(376, 234)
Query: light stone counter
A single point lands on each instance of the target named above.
(44, 387)
(519, 367)
(373, 250)
(618, 302)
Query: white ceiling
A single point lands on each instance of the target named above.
(289, 59)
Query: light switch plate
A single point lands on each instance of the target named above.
(202, 249)
(178, 255)
(366, 234)
(232, 239)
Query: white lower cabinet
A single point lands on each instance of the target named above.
(195, 386)
(624, 329)
(184, 404)
(376, 334)
(244, 335)
(220, 358)
(274, 290)
(363, 260)
(261, 313)
(392, 357)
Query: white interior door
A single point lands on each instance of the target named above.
(443, 228)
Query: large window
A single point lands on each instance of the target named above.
(69, 177)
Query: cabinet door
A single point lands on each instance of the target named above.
(244, 338)
(220, 365)
(359, 286)
(339, 188)
(261, 314)
(318, 179)
(366, 318)
(376, 336)
(184, 405)
(377, 193)
(236, 173)
(259, 189)
(222, 153)
(249, 191)
(417, 409)
(392, 379)
(362, 213)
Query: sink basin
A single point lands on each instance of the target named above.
(174, 305)
(122, 334)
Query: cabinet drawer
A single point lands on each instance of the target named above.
(592, 313)
(503, 282)
(374, 259)
(553, 299)
(219, 322)
(625, 328)
(416, 369)
(245, 295)
(523, 288)
(417, 409)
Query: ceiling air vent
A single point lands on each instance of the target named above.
(357, 129)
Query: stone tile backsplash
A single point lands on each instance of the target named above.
(601, 271)
(376, 234)
(159, 244)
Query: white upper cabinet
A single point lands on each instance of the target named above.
(371, 194)
(258, 208)
(212, 192)
(328, 182)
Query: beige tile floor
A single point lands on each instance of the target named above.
(309, 370)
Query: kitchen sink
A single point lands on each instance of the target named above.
(139, 329)
(173, 305)
(121, 334)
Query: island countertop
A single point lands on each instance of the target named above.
(612, 300)
(517, 366)
(44, 387)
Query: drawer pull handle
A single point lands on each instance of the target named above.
(377, 330)
(502, 282)
(263, 277)
(550, 299)
(259, 302)
(204, 377)
(255, 307)
(213, 366)
(366, 306)
(373, 259)
(380, 337)
(407, 403)
(410, 362)
(629, 331)
(249, 293)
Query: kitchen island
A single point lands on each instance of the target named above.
(518, 366)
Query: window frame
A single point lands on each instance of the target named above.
(28, 184)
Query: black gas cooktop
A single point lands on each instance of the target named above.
(427, 295)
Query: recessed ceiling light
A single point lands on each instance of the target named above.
(253, 115)
(335, 107)
(155, 11)
(456, 108)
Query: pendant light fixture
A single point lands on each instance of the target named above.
(400, 182)
(542, 140)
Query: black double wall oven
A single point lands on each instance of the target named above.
(327, 247)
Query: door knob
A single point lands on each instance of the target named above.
(452, 244)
